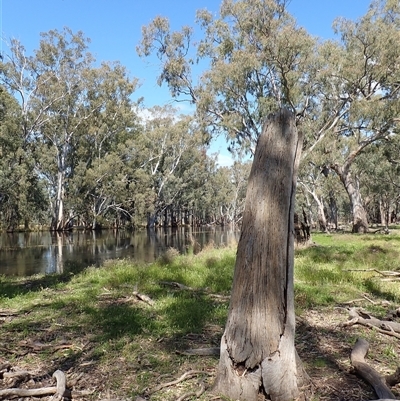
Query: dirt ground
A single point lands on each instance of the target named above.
(323, 343)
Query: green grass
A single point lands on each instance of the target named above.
(341, 267)
(109, 327)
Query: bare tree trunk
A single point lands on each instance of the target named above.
(333, 210)
(352, 186)
(323, 226)
(258, 357)
(57, 224)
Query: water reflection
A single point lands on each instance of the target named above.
(24, 254)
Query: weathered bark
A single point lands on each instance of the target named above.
(352, 186)
(257, 349)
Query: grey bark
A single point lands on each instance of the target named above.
(258, 356)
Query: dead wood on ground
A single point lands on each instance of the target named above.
(143, 298)
(366, 372)
(187, 375)
(387, 327)
(57, 391)
(386, 275)
(213, 351)
(182, 287)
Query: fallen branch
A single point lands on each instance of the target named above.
(384, 273)
(38, 346)
(57, 390)
(175, 284)
(185, 376)
(382, 326)
(366, 372)
(193, 393)
(7, 312)
(144, 298)
(61, 386)
(214, 351)
(21, 392)
(18, 373)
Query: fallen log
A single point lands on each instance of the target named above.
(366, 372)
(22, 392)
(364, 318)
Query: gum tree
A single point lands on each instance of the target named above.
(61, 96)
(360, 81)
(22, 198)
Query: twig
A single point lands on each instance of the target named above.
(381, 272)
(368, 299)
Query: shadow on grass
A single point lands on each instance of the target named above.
(326, 254)
(374, 288)
(10, 288)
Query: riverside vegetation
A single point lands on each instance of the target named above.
(121, 331)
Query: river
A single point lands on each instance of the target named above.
(29, 253)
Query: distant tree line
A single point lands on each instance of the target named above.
(345, 93)
(78, 149)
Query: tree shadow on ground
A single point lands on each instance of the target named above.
(325, 352)
(11, 288)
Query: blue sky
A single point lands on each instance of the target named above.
(114, 28)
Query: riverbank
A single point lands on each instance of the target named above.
(122, 330)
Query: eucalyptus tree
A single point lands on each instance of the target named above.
(379, 168)
(167, 143)
(62, 95)
(22, 197)
(362, 78)
(343, 92)
(101, 179)
(227, 192)
(257, 60)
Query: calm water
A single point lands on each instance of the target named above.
(24, 254)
